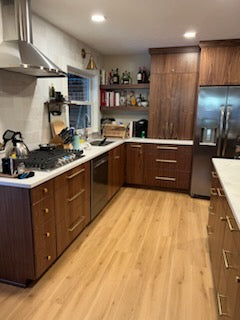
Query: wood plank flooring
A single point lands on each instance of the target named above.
(145, 258)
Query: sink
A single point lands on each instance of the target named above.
(100, 143)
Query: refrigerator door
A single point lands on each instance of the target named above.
(208, 140)
(232, 126)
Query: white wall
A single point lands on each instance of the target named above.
(22, 98)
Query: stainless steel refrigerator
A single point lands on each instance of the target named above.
(216, 134)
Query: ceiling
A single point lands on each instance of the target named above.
(133, 26)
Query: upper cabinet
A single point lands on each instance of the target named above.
(220, 63)
(173, 89)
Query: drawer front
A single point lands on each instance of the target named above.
(42, 191)
(168, 179)
(42, 211)
(45, 236)
(44, 259)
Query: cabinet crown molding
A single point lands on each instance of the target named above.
(220, 43)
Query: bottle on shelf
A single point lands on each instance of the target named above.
(144, 75)
(129, 78)
(139, 75)
(125, 79)
(116, 77)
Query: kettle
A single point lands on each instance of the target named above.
(19, 148)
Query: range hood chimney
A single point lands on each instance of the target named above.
(17, 52)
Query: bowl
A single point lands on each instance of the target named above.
(144, 103)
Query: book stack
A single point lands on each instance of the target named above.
(110, 99)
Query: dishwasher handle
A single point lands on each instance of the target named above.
(100, 163)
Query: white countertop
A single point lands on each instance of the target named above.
(90, 153)
(228, 171)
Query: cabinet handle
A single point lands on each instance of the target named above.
(76, 224)
(220, 310)
(49, 257)
(225, 259)
(209, 230)
(237, 279)
(214, 174)
(48, 234)
(166, 161)
(230, 224)
(220, 192)
(213, 192)
(76, 195)
(167, 148)
(223, 218)
(136, 146)
(45, 190)
(117, 157)
(165, 178)
(46, 210)
(210, 211)
(75, 174)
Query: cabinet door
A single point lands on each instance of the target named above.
(172, 105)
(220, 66)
(134, 163)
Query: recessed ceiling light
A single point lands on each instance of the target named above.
(189, 34)
(98, 18)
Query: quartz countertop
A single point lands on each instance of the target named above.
(89, 153)
(228, 171)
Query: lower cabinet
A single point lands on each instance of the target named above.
(166, 166)
(224, 245)
(72, 204)
(116, 169)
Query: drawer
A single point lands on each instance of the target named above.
(42, 211)
(42, 191)
(45, 236)
(44, 259)
(174, 180)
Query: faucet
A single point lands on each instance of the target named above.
(86, 121)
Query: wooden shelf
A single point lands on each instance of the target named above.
(124, 108)
(125, 86)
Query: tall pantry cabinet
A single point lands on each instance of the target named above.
(173, 92)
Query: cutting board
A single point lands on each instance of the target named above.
(57, 127)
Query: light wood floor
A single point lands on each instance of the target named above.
(145, 258)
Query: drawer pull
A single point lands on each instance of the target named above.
(213, 192)
(76, 195)
(165, 178)
(117, 157)
(46, 210)
(225, 259)
(209, 230)
(220, 192)
(49, 257)
(76, 224)
(237, 279)
(166, 148)
(214, 174)
(166, 161)
(223, 218)
(75, 174)
(230, 224)
(45, 190)
(48, 234)
(136, 146)
(219, 303)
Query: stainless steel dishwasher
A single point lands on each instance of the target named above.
(99, 184)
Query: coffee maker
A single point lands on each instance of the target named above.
(140, 128)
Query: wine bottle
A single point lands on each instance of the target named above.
(144, 75)
(139, 75)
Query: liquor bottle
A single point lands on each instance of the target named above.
(139, 75)
(116, 77)
(122, 78)
(144, 75)
(125, 78)
(129, 78)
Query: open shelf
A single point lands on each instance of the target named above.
(124, 108)
(125, 86)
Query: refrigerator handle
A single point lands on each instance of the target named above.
(222, 110)
(229, 109)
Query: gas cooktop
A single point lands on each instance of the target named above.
(48, 159)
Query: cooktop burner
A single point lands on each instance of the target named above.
(48, 159)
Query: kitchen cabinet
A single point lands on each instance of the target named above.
(72, 204)
(224, 244)
(167, 166)
(173, 89)
(220, 63)
(134, 163)
(116, 170)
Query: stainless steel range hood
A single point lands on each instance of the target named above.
(17, 52)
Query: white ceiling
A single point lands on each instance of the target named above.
(133, 26)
